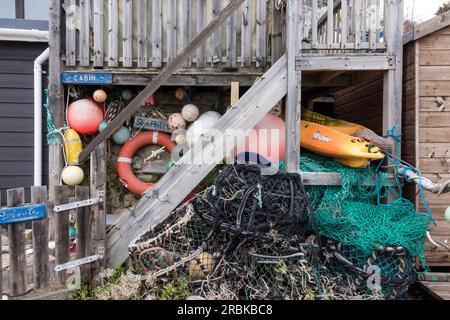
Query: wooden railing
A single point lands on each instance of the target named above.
(345, 25)
(150, 33)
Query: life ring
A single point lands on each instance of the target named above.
(124, 168)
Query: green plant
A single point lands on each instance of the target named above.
(83, 293)
(178, 290)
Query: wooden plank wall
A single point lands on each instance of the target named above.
(434, 128)
(362, 104)
(426, 81)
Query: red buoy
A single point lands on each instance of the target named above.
(84, 116)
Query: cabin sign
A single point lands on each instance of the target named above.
(86, 78)
(22, 214)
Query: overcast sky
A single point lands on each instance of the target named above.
(423, 9)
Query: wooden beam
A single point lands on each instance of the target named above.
(158, 202)
(393, 86)
(56, 96)
(337, 63)
(294, 86)
(172, 67)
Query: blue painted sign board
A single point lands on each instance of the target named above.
(22, 214)
(152, 124)
(86, 78)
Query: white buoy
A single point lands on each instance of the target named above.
(201, 126)
(72, 175)
(190, 112)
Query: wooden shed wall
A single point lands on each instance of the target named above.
(426, 130)
(433, 130)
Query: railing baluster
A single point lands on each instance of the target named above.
(217, 36)
(201, 23)
(171, 29)
(99, 56)
(127, 39)
(261, 33)
(156, 34)
(113, 33)
(345, 22)
(358, 24)
(231, 41)
(186, 27)
(314, 25)
(142, 33)
(330, 23)
(85, 13)
(246, 51)
(71, 33)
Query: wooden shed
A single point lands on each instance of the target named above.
(425, 120)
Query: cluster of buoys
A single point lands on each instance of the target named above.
(84, 116)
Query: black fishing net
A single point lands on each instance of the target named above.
(245, 237)
(242, 202)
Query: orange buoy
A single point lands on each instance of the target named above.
(84, 116)
(124, 169)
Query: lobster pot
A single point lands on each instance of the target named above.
(297, 276)
(244, 202)
(389, 271)
(172, 245)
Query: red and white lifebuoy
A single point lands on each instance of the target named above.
(124, 168)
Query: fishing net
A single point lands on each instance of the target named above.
(226, 243)
(353, 216)
(243, 202)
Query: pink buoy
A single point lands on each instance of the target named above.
(267, 139)
(151, 101)
(85, 116)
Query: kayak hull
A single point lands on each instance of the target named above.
(348, 150)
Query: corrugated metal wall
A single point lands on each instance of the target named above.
(16, 115)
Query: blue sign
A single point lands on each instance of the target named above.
(151, 124)
(86, 78)
(22, 214)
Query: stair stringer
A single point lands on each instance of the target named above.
(158, 202)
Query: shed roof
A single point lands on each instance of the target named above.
(428, 27)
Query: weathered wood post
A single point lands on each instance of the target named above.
(294, 86)
(62, 237)
(17, 243)
(392, 91)
(83, 230)
(40, 242)
(97, 218)
(393, 86)
(56, 97)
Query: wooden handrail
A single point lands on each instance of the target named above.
(171, 68)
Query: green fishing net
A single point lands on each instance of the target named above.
(356, 218)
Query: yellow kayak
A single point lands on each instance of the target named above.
(338, 125)
(72, 147)
(336, 142)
